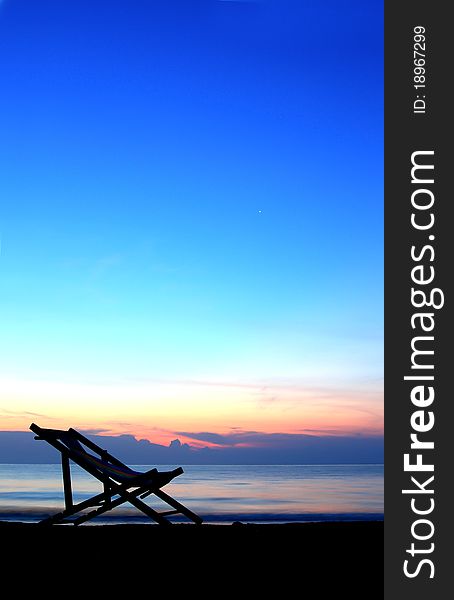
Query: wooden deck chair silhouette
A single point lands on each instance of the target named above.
(121, 484)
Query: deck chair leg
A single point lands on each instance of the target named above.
(149, 511)
(66, 471)
(61, 516)
(124, 497)
(182, 509)
(108, 495)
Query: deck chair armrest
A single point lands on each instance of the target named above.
(161, 477)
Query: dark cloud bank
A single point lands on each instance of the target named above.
(274, 448)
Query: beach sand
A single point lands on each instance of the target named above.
(288, 558)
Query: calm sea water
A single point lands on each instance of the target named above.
(262, 493)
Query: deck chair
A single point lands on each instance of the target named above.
(121, 484)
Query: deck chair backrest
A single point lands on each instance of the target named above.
(118, 473)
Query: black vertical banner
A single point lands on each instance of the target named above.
(419, 250)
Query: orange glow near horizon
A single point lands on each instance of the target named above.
(161, 411)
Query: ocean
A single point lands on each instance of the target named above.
(218, 493)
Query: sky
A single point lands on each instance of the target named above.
(191, 218)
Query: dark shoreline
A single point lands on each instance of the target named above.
(16, 527)
(348, 555)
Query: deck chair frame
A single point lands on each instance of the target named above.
(115, 493)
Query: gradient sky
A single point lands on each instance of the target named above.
(192, 216)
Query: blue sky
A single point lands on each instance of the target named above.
(191, 191)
